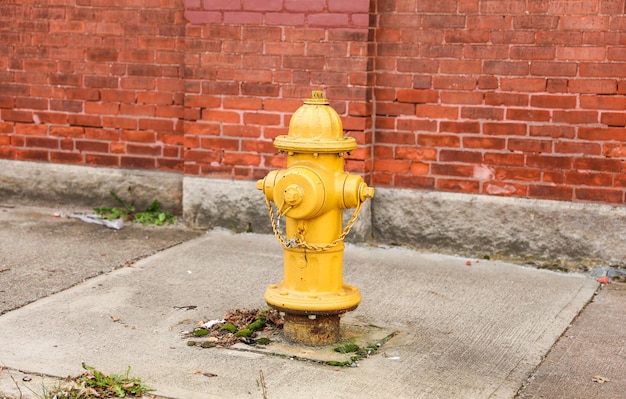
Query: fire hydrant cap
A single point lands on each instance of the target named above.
(315, 127)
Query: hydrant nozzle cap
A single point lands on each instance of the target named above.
(317, 98)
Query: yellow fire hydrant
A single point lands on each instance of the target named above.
(311, 194)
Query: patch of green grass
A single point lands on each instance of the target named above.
(127, 211)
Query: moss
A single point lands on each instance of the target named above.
(263, 341)
(191, 343)
(243, 333)
(200, 332)
(228, 327)
(256, 325)
(207, 344)
(347, 348)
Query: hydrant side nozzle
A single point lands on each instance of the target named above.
(259, 184)
(366, 192)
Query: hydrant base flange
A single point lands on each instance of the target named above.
(318, 330)
(342, 301)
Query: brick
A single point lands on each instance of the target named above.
(506, 68)
(156, 124)
(517, 174)
(590, 86)
(101, 108)
(558, 37)
(536, 22)
(304, 6)
(100, 82)
(504, 159)
(550, 192)
(492, 143)
(604, 134)
(459, 127)
(597, 70)
(66, 157)
(284, 19)
(598, 195)
(9, 115)
(32, 155)
(260, 89)
(532, 53)
(552, 130)
(533, 115)
(456, 185)
(490, 113)
(573, 7)
(139, 136)
(42, 142)
(586, 22)
(573, 147)
(415, 181)
(486, 51)
(67, 131)
(392, 166)
(588, 179)
(31, 129)
(242, 131)
(415, 153)
(412, 124)
(523, 84)
(433, 21)
(504, 128)
(550, 68)
(613, 119)
(597, 165)
(575, 117)
(530, 145)
(137, 162)
(92, 146)
(457, 97)
(420, 168)
(504, 189)
(452, 170)
(261, 118)
(585, 53)
(146, 150)
(436, 111)
(548, 162)
(550, 101)
(614, 150)
(463, 156)
(438, 140)
(506, 99)
(394, 109)
(239, 158)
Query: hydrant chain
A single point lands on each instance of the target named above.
(298, 240)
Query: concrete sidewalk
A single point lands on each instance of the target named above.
(476, 331)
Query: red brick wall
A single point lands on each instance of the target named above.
(505, 97)
(521, 98)
(93, 82)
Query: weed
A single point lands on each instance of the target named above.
(127, 211)
(94, 384)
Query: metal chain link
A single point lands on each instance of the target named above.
(299, 242)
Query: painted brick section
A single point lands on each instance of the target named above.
(332, 14)
(513, 97)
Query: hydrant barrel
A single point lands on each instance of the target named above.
(311, 194)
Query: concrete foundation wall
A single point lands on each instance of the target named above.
(464, 224)
(58, 185)
(479, 225)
